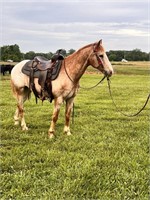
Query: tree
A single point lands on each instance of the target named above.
(134, 55)
(49, 55)
(71, 51)
(63, 52)
(29, 55)
(112, 56)
(11, 52)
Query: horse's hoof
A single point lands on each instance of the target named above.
(16, 123)
(25, 128)
(67, 130)
(51, 135)
(68, 133)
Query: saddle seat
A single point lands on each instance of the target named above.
(42, 63)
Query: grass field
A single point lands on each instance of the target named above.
(107, 156)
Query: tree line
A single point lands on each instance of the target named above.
(12, 52)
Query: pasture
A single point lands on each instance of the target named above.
(105, 158)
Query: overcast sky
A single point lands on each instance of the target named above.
(47, 25)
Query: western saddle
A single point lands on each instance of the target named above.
(42, 63)
(46, 71)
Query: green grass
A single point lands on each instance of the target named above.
(106, 157)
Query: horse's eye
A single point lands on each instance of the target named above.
(101, 56)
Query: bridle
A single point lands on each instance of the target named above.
(99, 58)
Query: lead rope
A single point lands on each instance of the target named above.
(88, 88)
(132, 115)
(73, 110)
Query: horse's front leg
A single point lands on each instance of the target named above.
(69, 105)
(57, 105)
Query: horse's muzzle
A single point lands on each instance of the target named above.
(108, 73)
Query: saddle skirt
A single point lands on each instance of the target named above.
(46, 71)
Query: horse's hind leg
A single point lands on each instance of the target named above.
(21, 95)
(20, 111)
(16, 116)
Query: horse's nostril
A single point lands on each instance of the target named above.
(108, 73)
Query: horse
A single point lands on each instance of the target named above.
(64, 87)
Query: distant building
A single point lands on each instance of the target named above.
(124, 60)
(9, 60)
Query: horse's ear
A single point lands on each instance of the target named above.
(98, 45)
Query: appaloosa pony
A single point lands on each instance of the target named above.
(65, 87)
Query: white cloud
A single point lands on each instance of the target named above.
(47, 25)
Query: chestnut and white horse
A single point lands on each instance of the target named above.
(65, 87)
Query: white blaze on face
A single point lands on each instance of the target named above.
(107, 65)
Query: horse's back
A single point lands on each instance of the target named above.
(17, 77)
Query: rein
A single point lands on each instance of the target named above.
(132, 115)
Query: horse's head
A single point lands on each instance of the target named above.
(99, 59)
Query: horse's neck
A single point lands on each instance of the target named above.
(77, 63)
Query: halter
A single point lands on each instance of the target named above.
(99, 60)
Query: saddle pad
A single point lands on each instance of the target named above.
(27, 68)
